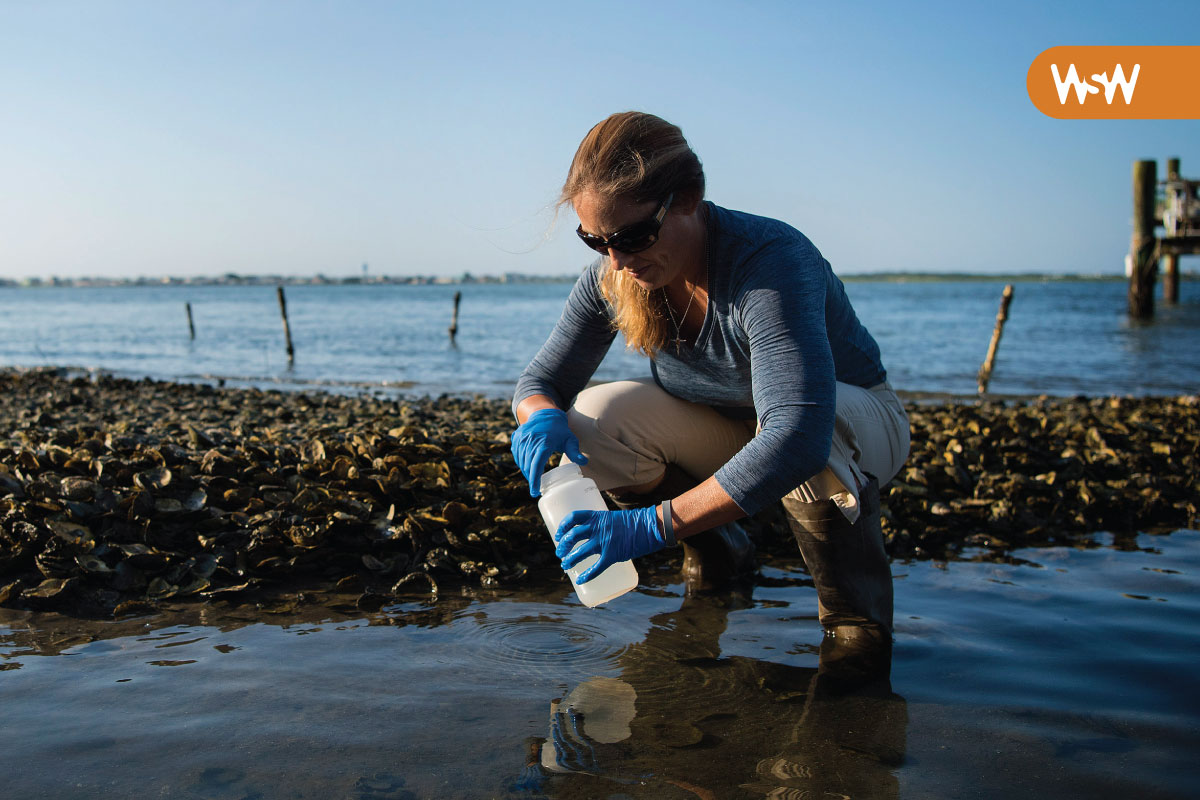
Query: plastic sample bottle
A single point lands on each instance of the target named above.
(565, 489)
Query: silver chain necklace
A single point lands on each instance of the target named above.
(678, 340)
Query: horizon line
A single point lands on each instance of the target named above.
(231, 278)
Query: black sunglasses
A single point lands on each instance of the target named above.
(632, 238)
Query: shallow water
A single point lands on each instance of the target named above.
(1065, 673)
(1062, 338)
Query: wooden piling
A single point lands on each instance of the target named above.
(1142, 244)
(191, 327)
(454, 319)
(287, 330)
(1170, 261)
(985, 372)
(1170, 268)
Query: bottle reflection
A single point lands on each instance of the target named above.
(596, 712)
(683, 721)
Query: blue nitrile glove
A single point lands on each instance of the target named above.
(615, 535)
(573, 752)
(544, 433)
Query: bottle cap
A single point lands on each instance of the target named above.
(566, 471)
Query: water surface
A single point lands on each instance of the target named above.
(1065, 673)
(1062, 338)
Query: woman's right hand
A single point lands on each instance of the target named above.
(543, 434)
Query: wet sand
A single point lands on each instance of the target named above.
(117, 495)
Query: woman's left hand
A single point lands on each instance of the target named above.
(615, 536)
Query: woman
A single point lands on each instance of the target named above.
(765, 385)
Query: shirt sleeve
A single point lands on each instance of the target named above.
(781, 308)
(577, 345)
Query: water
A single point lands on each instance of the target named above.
(1064, 673)
(1062, 338)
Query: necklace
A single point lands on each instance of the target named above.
(678, 340)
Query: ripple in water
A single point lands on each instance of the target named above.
(545, 642)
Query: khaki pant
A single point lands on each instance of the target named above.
(629, 431)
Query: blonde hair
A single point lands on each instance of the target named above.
(639, 158)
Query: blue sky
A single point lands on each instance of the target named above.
(192, 138)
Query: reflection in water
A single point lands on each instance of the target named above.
(687, 722)
(1060, 672)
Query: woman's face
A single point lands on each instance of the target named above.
(657, 265)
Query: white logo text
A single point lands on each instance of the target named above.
(1083, 88)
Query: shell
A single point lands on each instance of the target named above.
(153, 479)
(201, 493)
(74, 488)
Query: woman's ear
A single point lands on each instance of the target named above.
(686, 204)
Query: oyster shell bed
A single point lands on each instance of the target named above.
(118, 495)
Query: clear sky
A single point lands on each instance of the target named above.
(192, 138)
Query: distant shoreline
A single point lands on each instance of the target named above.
(231, 279)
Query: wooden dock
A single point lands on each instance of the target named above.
(1173, 205)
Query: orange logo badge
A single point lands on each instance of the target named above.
(1093, 82)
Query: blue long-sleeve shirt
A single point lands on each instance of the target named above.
(778, 332)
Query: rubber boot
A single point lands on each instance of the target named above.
(852, 656)
(717, 557)
(711, 558)
(848, 565)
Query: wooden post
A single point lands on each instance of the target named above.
(1170, 265)
(454, 319)
(287, 330)
(985, 372)
(1170, 261)
(1142, 244)
(191, 327)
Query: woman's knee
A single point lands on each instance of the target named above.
(609, 411)
(615, 400)
(606, 419)
(638, 427)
